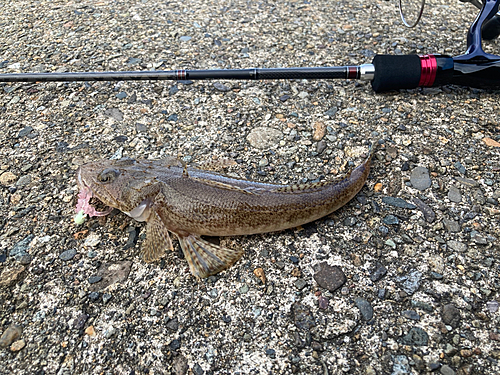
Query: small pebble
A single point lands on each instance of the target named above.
(410, 282)
(478, 238)
(24, 132)
(378, 272)
(90, 331)
(398, 202)
(460, 167)
(244, 289)
(173, 324)
(92, 240)
(446, 370)
(451, 315)
(365, 308)
(390, 243)
(400, 365)
(492, 306)
(391, 220)
(271, 353)
(457, 246)
(94, 279)
(416, 336)
(329, 277)
(421, 305)
(454, 194)
(173, 90)
(175, 344)
(436, 276)
(94, 296)
(17, 345)
(106, 297)
(173, 117)
(410, 314)
(323, 302)
(264, 137)
(20, 248)
(429, 214)
(321, 146)
(302, 316)
(141, 128)
(451, 225)
(331, 112)
(300, 284)
(420, 178)
(7, 178)
(109, 332)
(383, 230)
(467, 181)
(220, 87)
(11, 334)
(68, 254)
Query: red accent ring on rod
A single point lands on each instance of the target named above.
(428, 73)
(352, 72)
(181, 74)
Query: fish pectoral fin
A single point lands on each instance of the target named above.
(205, 258)
(157, 239)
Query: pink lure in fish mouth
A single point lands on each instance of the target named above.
(84, 204)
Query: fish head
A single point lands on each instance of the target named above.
(124, 184)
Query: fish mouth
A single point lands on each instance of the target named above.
(83, 205)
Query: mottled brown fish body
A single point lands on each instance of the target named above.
(190, 202)
(197, 207)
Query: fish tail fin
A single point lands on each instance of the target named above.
(157, 239)
(205, 258)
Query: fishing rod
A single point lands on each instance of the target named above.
(474, 68)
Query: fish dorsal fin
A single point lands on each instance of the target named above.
(170, 161)
(217, 165)
(298, 188)
(222, 185)
(157, 239)
(205, 258)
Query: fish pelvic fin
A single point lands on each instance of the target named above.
(157, 239)
(205, 258)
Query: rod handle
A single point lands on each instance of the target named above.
(396, 72)
(393, 72)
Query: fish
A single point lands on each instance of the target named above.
(191, 203)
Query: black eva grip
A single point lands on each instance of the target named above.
(396, 72)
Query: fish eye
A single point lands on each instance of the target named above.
(108, 175)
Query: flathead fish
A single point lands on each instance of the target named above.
(190, 203)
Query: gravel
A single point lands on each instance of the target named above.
(403, 279)
(420, 178)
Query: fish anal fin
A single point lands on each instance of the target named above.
(157, 239)
(205, 258)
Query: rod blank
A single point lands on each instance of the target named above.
(336, 72)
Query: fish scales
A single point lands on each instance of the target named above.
(191, 202)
